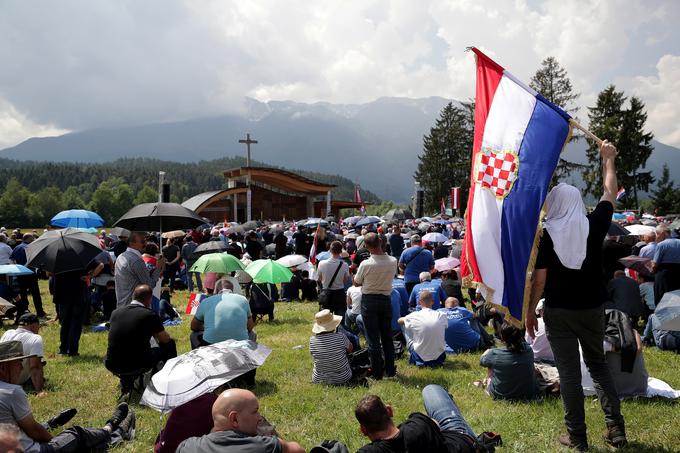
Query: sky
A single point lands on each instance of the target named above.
(75, 65)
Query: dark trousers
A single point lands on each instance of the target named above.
(169, 275)
(409, 287)
(76, 439)
(71, 316)
(566, 329)
(667, 278)
(337, 302)
(376, 312)
(29, 283)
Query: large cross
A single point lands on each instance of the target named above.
(248, 142)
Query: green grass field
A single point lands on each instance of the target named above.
(309, 413)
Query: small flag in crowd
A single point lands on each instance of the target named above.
(194, 302)
(455, 198)
(621, 194)
(357, 199)
(517, 143)
(443, 207)
(312, 252)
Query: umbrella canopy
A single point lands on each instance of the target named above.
(351, 236)
(323, 256)
(668, 311)
(120, 232)
(159, 217)
(371, 219)
(618, 216)
(59, 251)
(221, 263)
(446, 264)
(252, 225)
(14, 269)
(639, 264)
(268, 271)
(210, 247)
(6, 307)
(200, 371)
(174, 234)
(675, 225)
(313, 222)
(397, 215)
(423, 226)
(352, 220)
(77, 218)
(617, 230)
(435, 237)
(640, 230)
(443, 222)
(292, 260)
(243, 277)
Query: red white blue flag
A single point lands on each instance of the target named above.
(519, 136)
(312, 251)
(443, 207)
(621, 194)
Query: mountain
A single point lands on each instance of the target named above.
(375, 144)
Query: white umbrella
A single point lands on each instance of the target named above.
(200, 371)
(292, 260)
(668, 311)
(435, 237)
(640, 230)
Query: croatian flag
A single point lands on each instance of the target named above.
(621, 194)
(312, 251)
(357, 199)
(443, 207)
(519, 136)
(455, 198)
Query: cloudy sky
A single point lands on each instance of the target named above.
(73, 65)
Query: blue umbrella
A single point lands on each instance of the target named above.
(315, 221)
(443, 222)
(323, 256)
(368, 220)
(14, 269)
(618, 216)
(77, 218)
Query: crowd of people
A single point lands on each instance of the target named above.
(379, 285)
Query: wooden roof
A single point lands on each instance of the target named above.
(283, 179)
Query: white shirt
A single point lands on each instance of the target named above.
(426, 329)
(540, 344)
(5, 252)
(354, 293)
(32, 344)
(326, 270)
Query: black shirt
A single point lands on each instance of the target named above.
(419, 433)
(132, 326)
(577, 289)
(235, 250)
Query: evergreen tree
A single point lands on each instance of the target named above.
(146, 195)
(625, 128)
(73, 199)
(665, 198)
(43, 205)
(552, 81)
(13, 204)
(447, 153)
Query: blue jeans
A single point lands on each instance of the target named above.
(376, 312)
(440, 406)
(190, 281)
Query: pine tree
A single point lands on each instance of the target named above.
(446, 158)
(625, 128)
(665, 198)
(552, 81)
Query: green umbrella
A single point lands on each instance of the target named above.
(221, 263)
(268, 271)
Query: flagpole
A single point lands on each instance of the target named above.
(588, 134)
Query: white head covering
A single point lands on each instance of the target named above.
(567, 225)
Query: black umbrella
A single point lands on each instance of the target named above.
(617, 230)
(59, 251)
(252, 225)
(210, 247)
(397, 215)
(159, 217)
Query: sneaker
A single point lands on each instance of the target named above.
(62, 418)
(616, 436)
(567, 441)
(118, 416)
(127, 426)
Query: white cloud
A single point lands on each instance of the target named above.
(15, 127)
(81, 64)
(661, 94)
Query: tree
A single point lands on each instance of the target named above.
(625, 128)
(146, 195)
(552, 82)
(13, 204)
(43, 205)
(665, 198)
(73, 199)
(112, 199)
(447, 154)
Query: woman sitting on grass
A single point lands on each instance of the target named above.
(510, 369)
(329, 349)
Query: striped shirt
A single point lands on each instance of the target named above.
(329, 352)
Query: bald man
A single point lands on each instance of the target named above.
(236, 416)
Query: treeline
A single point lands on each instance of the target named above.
(35, 191)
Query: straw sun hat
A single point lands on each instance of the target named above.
(12, 350)
(325, 321)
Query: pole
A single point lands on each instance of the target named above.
(586, 132)
(161, 181)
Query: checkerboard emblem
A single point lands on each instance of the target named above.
(497, 171)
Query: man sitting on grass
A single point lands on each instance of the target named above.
(425, 333)
(237, 422)
(442, 430)
(32, 342)
(35, 438)
(463, 331)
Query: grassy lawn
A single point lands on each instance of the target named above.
(309, 413)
